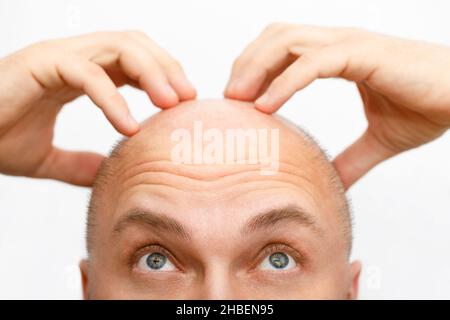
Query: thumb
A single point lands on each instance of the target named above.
(78, 168)
(359, 158)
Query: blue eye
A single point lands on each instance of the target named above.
(278, 261)
(155, 261)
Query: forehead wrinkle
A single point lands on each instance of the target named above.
(211, 172)
(189, 170)
(167, 174)
(228, 194)
(172, 192)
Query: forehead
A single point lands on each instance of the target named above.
(146, 176)
(184, 193)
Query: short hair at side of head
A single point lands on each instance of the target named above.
(344, 203)
(104, 174)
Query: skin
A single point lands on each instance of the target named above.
(404, 84)
(45, 76)
(404, 87)
(214, 203)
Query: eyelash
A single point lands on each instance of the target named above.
(266, 251)
(272, 248)
(150, 249)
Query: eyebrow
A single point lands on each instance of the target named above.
(158, 221)
(261, 221)
(272, 217)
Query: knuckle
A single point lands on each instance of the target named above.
(94, 70)
(40, 52)
(275, 27)
(114, 96)
(308, 57)
(41, 46)
(293, 34)
(173, 66)
(137, 33)
(351, 33)
(284, 77)
(256, 63)
(282, 80)
(124, 38)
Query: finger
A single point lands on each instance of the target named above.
(269, 53)
(136, 61)
(273, 74)
(93, 80)
(249, 79)
(174, 72)
(359, 158)
(322, 63)
(235, 86)
(141, 66)
(78, 168)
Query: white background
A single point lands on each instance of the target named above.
(402, 208)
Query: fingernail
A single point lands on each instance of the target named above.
(132, 123)
(170, 92)
(189, 83)
(187, 88)
(234, 86)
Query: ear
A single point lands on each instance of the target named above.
(84, 277)
(355, 271)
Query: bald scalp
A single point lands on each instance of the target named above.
(127, 146)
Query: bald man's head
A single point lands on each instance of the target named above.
(220, 199)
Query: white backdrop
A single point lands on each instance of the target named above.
(402, 208)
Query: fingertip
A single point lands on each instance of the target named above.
(194, 93)
(231, 94)
(262, 100)
(165, 97)
(121, 118)
(132, 126)
(170, 95)
(264, 108)
(228, 92)
(184, 88)
(234, 89)
(265, 104)
(190, 94)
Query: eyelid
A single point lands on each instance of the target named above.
(278, 247)
(155, 248)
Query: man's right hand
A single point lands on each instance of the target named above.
(38, 80)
